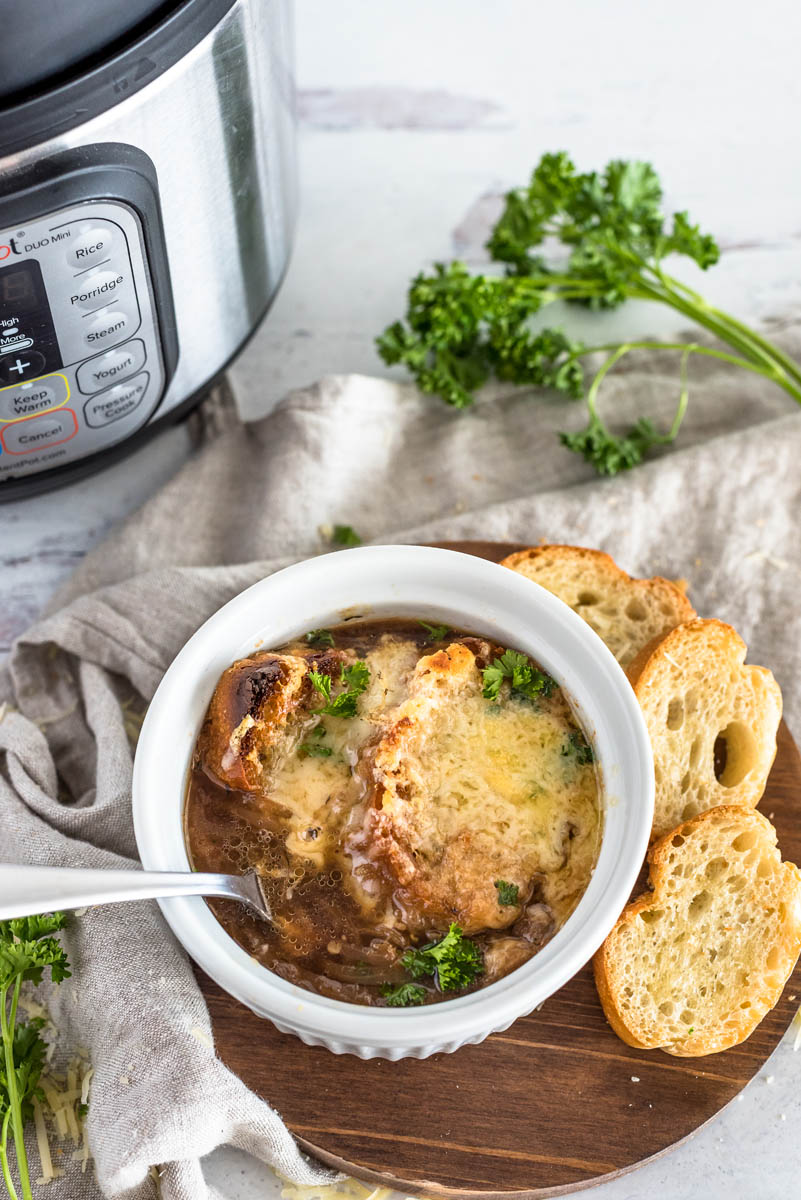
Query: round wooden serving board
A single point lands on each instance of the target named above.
(546, 1108)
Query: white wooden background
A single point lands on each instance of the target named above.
(415, 116)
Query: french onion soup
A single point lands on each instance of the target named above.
(421, 804)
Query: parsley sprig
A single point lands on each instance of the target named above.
(27, 949)
(525, 679)
(508, 893)
(578, 748)
(455, 961)
(610, 240)
(401, 995)
(355, 679)
(436, 633)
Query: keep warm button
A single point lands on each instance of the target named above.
(39, 433)
(117, 402)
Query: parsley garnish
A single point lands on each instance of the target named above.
(526, 679)
(507, 892)
(27, 950)
(455, 961)
(607, 241)
(403, 994)
(435, 632)
(578, 748)
(320, 637)
(309, 750)
(355, 678)
(345, 535)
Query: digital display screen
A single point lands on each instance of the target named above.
(18, 291)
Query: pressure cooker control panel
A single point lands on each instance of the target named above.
(81, 361)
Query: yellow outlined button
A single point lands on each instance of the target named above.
(20, 401)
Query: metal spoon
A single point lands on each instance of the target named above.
(25, 890)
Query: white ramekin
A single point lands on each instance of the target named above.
(440, 586)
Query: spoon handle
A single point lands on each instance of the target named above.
(26, 890)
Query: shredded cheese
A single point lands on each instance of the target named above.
(346, 1189)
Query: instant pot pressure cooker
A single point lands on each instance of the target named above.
(147, 195)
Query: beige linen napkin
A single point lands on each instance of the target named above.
(720, 509)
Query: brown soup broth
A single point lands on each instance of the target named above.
(505, 784)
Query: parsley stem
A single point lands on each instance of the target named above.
(9, 1182)
(7, 1023)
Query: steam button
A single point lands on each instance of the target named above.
(108, 328)
(92, 244)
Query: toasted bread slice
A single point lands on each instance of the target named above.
(693, 966)
(257, 710)
(450, 807)
(626, 613)
(712, 720)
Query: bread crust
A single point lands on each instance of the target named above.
(623, 610)
(250, 712)
(694, 686)
(760, 996)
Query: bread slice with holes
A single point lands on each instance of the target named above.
(693, 966)
(712, 720)
(626, 613)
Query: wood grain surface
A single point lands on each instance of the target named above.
(552, 1105)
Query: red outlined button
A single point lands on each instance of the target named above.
(39, 433)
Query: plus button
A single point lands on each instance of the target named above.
(15, 369)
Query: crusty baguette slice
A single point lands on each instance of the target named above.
(712, 720)
(626, 613)
(693, 966)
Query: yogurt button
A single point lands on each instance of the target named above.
(113, 367)
(96, 288)
(107, 329)
(90, 245)
(116, 402)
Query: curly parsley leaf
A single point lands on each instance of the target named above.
(455, 961)
(345, 535)
(314, 750)
(578, 748)
(591, 238)
(435, 632)
(320, 637)
(402, 995)
(507, 892)
(525, 679)
(355, 679)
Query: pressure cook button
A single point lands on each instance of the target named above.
(39, 433)
(119, 364)
(107, 329)
(30, 398)
(96, 288)
(90, 245)
(116, 402)
(14, 368)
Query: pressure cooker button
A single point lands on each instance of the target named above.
(90, 245)
(116, 402)
(25, 365)
(27, 399)
(107, 329)
(119, 364)
(96, 289)
(39, 433)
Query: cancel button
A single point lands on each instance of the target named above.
(117, 402)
